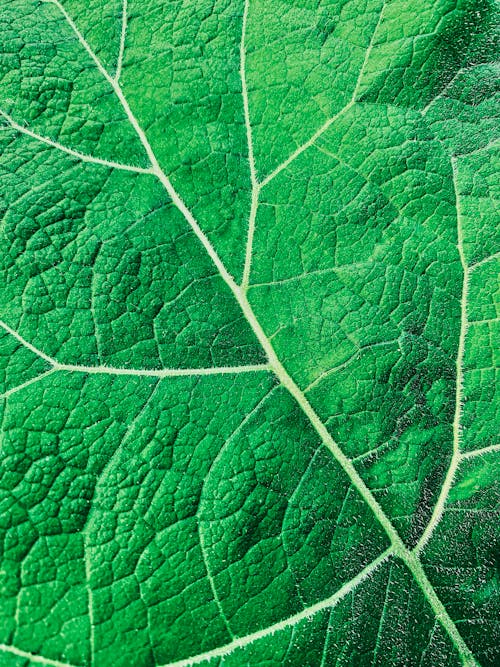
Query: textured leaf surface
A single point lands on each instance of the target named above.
(249, 332)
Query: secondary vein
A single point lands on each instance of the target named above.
(308, 612)
(163, 372)
(23, 385)
(123, 35)
(459, 369)
(314, 137)
(83, 157)
(254, 197)
(480, 452)
(114, 370)
(33, 657)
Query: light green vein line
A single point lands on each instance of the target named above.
(442, 615)
(241, 642)
(32, 657)
(163, 372)
(83, 157)
(26, 343)
(455, 458)
(248, 417)
(34, 380)
(123, 35)
(480, 452)
(307, 144)
(254, 199)
(486, 260)
(113, 370)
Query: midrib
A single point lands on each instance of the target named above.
(411, 560)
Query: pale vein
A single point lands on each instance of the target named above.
(480, 452)
(254, 198)
(113, 370)
(201, 521)
(90, 598)
(27, 344)
(123, 35)
(83, 157)
(32, 657)
(331, 120)
(163, 372)
(240, 642)
(19, 387)
(459, 370)
(309, 612)
(484, 261)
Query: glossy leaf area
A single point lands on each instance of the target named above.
(249, 325)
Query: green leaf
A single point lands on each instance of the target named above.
(249, 326)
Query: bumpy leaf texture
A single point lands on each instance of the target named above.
(250, 318)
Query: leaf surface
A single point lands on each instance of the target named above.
(249, 333)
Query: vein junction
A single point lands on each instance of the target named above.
(398, 548)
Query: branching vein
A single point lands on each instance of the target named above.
(484, 261)
(113, 370)
(163, 372)
(27, 344)
(83, 157)
(90, 597)
(123, 35)
(211, 580)
(292, 621)
(459, 369)
(32, 657)
(356, 355)
(480, 452)
(201, 522)
(298, 151)
(307, 144)
(19, 387)
(368, 52)
(254, 201)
